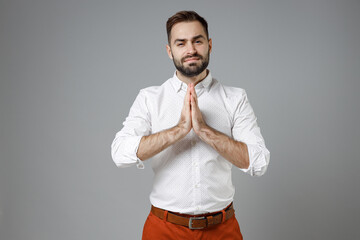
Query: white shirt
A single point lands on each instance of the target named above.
(190, 176)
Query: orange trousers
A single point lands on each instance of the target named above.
(158, 229)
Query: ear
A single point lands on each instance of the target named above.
(168, 50)
(210, 45)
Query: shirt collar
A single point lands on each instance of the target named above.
(178, 84)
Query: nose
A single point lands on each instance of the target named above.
(191, 49)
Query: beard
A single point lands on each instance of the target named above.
(193, 69)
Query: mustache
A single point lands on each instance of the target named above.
(194, 55)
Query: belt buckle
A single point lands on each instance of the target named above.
(195, 218)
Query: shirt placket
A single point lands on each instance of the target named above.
(196, 166)
(195, 173)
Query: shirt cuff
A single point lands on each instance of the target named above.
(125, 154)
(139, 163)
(258, 160)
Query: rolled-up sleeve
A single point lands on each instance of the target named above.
(125, 145)
(246, 130)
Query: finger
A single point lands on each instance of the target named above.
(193, 92)
(187, 100)
(192, 106)
(193, 101)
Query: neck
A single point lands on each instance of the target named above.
(195, 80)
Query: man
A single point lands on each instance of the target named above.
(194, 129)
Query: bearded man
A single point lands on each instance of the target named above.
(194, 130)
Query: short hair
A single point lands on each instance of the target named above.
(185, 16)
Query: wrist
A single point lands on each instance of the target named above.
(205, 133)
(202, 129)
(179, 132)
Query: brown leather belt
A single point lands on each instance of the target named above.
(195, 221)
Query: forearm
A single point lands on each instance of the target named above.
(157, 142)
(234, 151)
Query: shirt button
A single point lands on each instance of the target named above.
(193, 143)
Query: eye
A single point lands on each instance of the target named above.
(180, 44)
(198, 41)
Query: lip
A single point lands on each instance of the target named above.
(191, 59)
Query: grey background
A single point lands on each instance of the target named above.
(70, 71)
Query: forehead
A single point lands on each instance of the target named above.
(187, 30)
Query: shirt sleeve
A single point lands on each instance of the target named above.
(125, 145)
(246, 130)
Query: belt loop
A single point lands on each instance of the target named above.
(223, 216)
(165, 215)
(210, 220)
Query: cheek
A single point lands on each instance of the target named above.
(204, 50)
(177, 56)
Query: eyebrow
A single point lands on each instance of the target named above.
(194, 38)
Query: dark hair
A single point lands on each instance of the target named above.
(185, 16)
